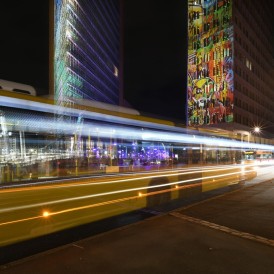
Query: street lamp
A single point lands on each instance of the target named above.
(258, 130)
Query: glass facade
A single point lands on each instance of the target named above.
(210, 62)
(86, 50)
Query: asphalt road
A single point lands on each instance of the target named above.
(231, 233)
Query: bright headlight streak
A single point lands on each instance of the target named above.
(112, 193)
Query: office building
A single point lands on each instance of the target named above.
(230, 64)
(86, 51)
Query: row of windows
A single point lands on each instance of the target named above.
(216, 23)
(207, 41)
(207, 11)
(215, 37)
(244, 45)
(255, 60)
(262, 42)
(217, 55)
(193, 15)
(261, 15)
(259, 82)
(256, 55)
(94, 61)
(246, 120)
(226, 5)
(238, 118)
(255, 111)
(255, 97)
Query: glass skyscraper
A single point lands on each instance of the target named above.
(86, 50)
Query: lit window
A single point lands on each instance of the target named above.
(248, 64)
(116, 72)
(68, 34)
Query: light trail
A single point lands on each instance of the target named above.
(47, 214)
(14, 187)
(116, 192)
(69, 195)
(157, 175)
(172, 134)
(21, 220)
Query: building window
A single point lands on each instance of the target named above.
(206, 27)
(248, 64)
(116, 72)
(196, 15)
(206, 42)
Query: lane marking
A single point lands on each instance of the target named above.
(225, 229)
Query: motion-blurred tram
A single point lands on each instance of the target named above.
(146, 163)
(83, 138)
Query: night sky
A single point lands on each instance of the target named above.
(24, 42)
(156, 56)
(154, 59)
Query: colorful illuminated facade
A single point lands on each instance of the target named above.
(210, 62)
(86, 50)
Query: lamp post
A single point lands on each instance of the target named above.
(257, 130)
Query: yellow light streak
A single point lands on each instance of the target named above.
(143, 195)
(117, 192)
(152, 176)
(20, 220)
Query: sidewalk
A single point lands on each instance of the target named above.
(203, 238)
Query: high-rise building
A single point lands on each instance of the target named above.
(230, 53)
(86, 50)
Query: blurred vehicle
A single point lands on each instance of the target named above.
(17, 87)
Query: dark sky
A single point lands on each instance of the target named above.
(24, 42)
(155, 56)
(155, 51)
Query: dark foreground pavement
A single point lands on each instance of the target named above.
(232, 233)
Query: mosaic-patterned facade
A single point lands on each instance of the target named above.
(210, 62)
